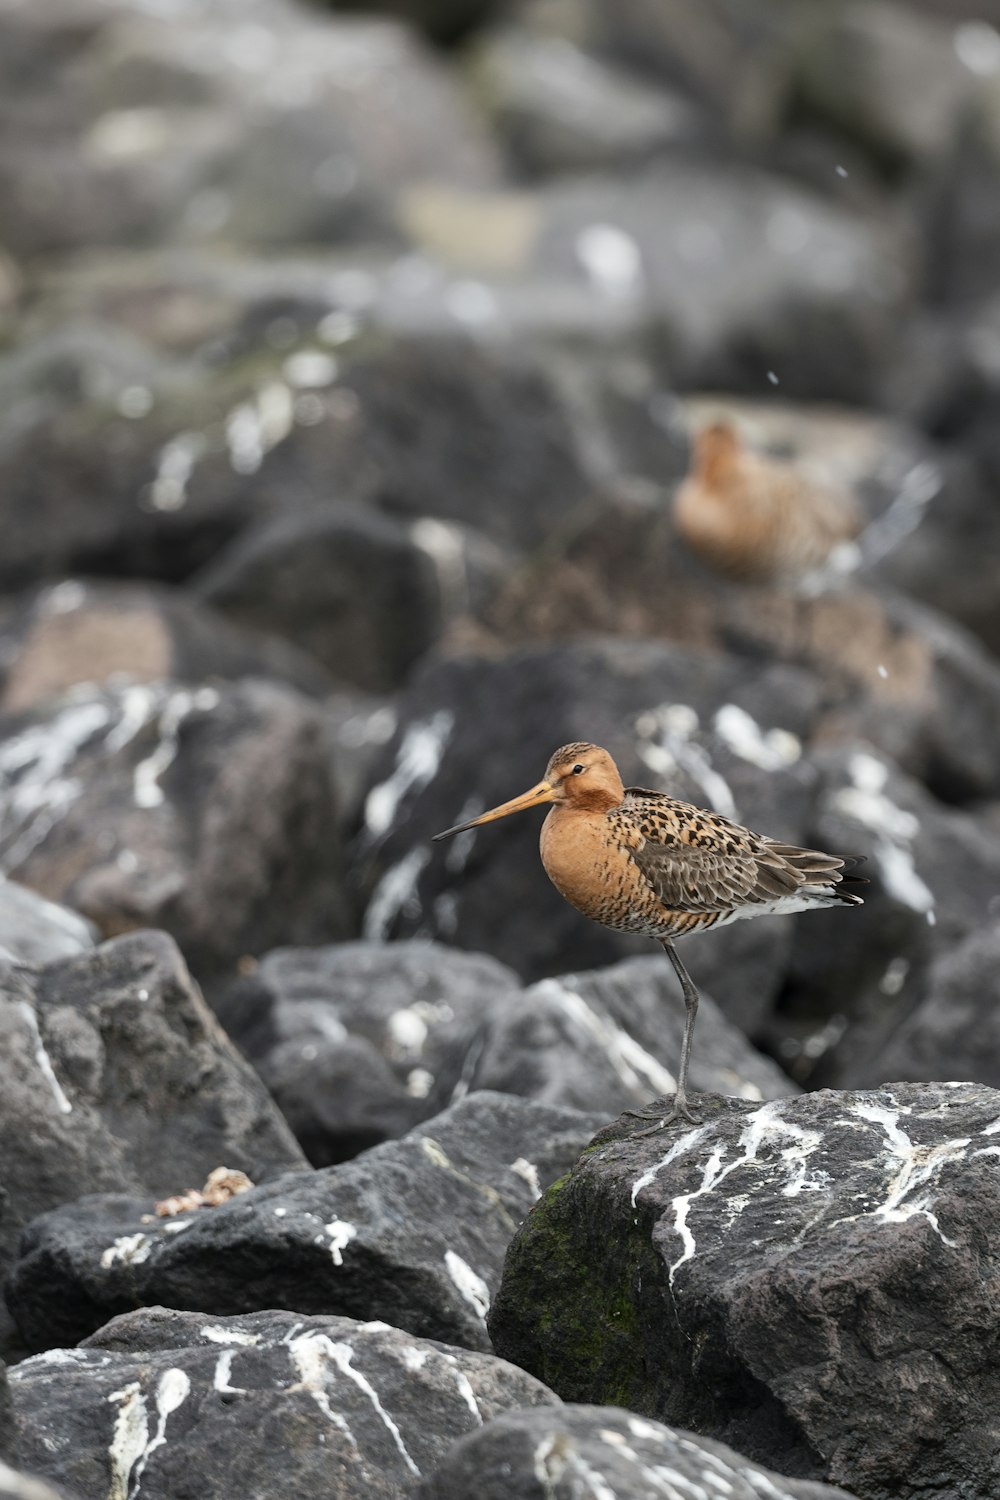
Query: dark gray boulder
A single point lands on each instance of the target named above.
(364, 592)
(268, 1403)
(953, 1029)
(121, 1080)
(412, 1233)
(205, 810)
(933, 870)
(597, 1451)
(360, 1041)
(8, 1436)
(784, 1278)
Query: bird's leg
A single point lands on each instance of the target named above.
(680, 1109)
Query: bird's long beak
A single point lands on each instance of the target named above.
(543, 792)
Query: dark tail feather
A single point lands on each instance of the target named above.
(847, 886)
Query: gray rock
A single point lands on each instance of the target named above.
(952, 1029)
(122, 1081)
(611, 1040)
(269, 1403)
(412, 1232)
(360, 1041)
(363, 592)
(934, 872)
(782, 1278)
(561, 109)
(204, 810)
(137, 142)
(36, 931)
(56, 638)
(609, 1452)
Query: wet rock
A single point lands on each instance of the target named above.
(359, 1042)
(121, 1080)
(724, 1266)
(205, 810)
(951, 1031)
(363, 592)
(76, 632)
(269, 1402)
(412, 1232)
(37, 931)
(611, 1040)
(473, 732)
(611, 1452)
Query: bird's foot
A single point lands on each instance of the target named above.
(679, 1111)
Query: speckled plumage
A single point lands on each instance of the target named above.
(640, 861)
(758, 519)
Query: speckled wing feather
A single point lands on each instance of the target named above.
(698, 861)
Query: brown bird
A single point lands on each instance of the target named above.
(640, 861)
(757, 519)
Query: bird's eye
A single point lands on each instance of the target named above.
(579, 770)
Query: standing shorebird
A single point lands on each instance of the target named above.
(758, 519)
(640, 861)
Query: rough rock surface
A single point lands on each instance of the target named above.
(412, 1232)
(36, 931)
(120, 1079)
(205, 810)
(573, 1451)
(271, 1402)
(808, 1280)
(8, 1442)
(611, 1040)
(360, 1041)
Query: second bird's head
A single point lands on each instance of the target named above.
(580, 775)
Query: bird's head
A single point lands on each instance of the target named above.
(579, 775)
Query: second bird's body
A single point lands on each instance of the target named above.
(640, 861)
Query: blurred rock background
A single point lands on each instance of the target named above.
(349, 360)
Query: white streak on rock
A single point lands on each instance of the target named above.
(407, 1031)
(174, 467)
(171, 1392)
(129, 1249)
(342, 1356)
(894, 828)
(35, 789)
(223, 1370)
(471, 1285)
(414, 1358)
(629, 1059)
(396, 892)
(465, 1390)
(687, 1142)
(917, 1166)
(308, 1356)
(529, 1172)
(444, 544)
(42, 1058)
(218, 1334)
(130, 1438)
(341, 1234)
(60, 1357)
(773, 750)
(666, 744)
(146, 776)
(417, 761)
